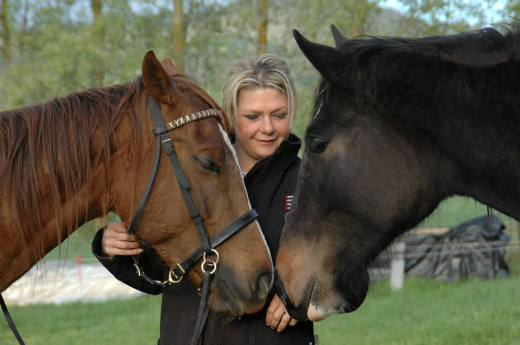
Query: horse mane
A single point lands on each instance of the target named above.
(478, 48)
(36, 146)
(473, 49)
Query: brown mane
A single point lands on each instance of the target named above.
(35, 145)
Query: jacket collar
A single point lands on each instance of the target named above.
(284, 156)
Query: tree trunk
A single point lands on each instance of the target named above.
(263, 6)
(97, 6)
(5, 33)
(178, 35)
(360, 14)
(21, 43)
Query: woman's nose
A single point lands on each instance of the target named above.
(267, 125)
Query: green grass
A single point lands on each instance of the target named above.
(115, 322)
(431, 313)
(422, 313)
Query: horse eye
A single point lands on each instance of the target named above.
(207, 164)
(318, 145)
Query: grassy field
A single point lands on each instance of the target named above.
(423, 312)
(431, 313)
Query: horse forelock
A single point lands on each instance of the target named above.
(321, 96)
(45, 151)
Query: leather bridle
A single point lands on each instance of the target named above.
(208, 266)
(176, 273)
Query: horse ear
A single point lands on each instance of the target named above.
(168, 66)
(327, 60)
(339, 39)
(156, 80)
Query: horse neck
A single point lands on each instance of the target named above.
(474, 123)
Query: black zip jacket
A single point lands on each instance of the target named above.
(270, 185)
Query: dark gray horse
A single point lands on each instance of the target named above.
(399, 125)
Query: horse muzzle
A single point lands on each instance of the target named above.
(236, 296)
(299, 312)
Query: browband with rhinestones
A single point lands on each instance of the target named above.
(181, 121)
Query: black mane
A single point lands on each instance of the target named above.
(484, 47)
(376, 68)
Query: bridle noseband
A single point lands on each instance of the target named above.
(208, 266)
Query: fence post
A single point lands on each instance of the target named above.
(397, 267)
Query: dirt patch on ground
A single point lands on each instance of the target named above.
(62, 282)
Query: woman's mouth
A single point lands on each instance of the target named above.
(266, 142)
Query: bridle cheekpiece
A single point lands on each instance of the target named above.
(209, 265)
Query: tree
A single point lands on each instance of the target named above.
(425, 18)
(97, 7)
(511, 10)
(262, 9)
(6, 46)
(178, 34)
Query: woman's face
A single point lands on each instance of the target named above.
(261, 122)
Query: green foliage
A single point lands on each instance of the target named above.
(57, 48)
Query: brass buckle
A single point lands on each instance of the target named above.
(174, 278)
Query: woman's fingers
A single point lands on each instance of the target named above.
(286, 318)
(117, 242)
(277, 316)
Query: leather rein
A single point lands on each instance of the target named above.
(176, 273)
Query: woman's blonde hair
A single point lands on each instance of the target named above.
(258, 72)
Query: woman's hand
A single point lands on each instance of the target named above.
(117, 242)
(277, 316)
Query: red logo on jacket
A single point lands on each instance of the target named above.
(288, 201)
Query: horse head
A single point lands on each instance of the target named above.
(398, 125)
(207, 158)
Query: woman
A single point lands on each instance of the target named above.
(260, 97)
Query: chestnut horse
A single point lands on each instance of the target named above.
(398, 125)
(78, 157)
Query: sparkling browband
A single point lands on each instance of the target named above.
(181, 121)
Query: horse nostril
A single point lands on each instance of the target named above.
(263, 285)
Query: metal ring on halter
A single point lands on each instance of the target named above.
(210, 262)
(214, 252)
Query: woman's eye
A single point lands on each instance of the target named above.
(207, 164)
(318, 145)
(251, 117)
(280, 116)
